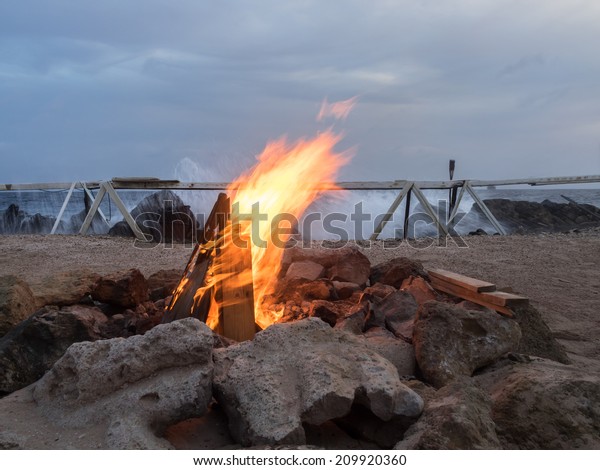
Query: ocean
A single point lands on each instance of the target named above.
(49, 202)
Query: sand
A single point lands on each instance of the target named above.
(560, 273)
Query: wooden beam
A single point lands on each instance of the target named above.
(62, 209)
(90, 215)
(42, 186)
(236, 290)
(155, 184)
(425, 203)
(390, 212)
(456, 206)
(486, 211)
(92, 198)
(466, 294)
(469, 283)
(126, 215)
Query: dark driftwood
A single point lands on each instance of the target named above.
(184, 305)
(236, 302)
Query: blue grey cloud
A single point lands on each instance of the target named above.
(93, 90)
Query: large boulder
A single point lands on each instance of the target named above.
(16, 302)
(541, 404)
(534, 217)
(395, 350)
(536, 337)
(16, 221)
(115, 394)
(34, 345)
(123, 288)
(457, 417)
(162, 217)
(395, 271)
(304, 372)
(451, 342)
(64, 288)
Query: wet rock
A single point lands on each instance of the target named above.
(349, 262)
(308, 270)
(536, 338)
(535, 217)
(354, 268)
(345, 290)
(370, 429)
(304, 372)
(124, 288)
(375, 317)
(16, 302)
(354, 321)
(457, 417)
(543, 405)
(399, 309)
(34, 345)
(451, 342)
(395, 350)
(162, 283)
(64, 288)
(162, 217)
(380, 290)
(299, 290)
(134, 387)
(420, 289)
(395, 271)
(324, 310)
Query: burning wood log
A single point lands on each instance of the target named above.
(216, 286)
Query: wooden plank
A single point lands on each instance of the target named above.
(469, 295)
(466, 282)
(42, 186)
(429, 210)
(499, 298)
(505, 299)
(62, 209)
(237, 291)
(388, 215)
(147, 183)
(90, 215)
(126, 215)
(485, 209)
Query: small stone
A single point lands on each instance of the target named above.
(308, 270)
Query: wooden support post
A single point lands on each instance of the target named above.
(429, 210)
(126, 215)
(62, 209)
(90, 215)
(391, 211)
(485, 209)
(456, 206)
(91, 198)
(236, 288)
(407, 215)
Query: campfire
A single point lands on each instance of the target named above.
(234, 266)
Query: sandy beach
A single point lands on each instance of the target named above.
(558, 272)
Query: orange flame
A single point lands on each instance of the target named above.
(286, 180)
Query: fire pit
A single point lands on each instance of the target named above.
(234, 265)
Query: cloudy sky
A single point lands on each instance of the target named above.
(194, 89)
